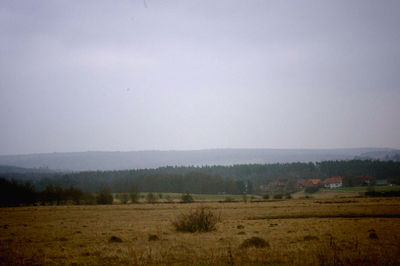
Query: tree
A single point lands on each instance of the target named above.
(104, 196)
(73, 194)
(311, 189)
(134, 194)
(150, 198)
(186, 198)
(123, 197)
(13, 193)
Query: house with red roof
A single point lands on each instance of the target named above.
(309, 182)
(333, 182)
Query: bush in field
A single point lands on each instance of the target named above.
(134, 194)
(123, 197)
(88, 198)
(168, 199)
(229, 199)
(266, 197)
(256, 242)
(150, 198)
(198, 220)
(104, 196)
(115, 239)
(311, 189)
(186, 198)
(244, 198)
(278, 196)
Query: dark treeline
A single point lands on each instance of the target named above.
(236, 179)
(14, 193)
(121, 181)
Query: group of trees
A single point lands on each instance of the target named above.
(236, 179)
(14, 193)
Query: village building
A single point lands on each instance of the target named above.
(308, 182)
(382, 182)
(333, 182)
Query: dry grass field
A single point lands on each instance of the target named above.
(346, 231)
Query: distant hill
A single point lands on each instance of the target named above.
(5, 169)
(82, 161)
(382, 155)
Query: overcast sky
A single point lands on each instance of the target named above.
(140, 75)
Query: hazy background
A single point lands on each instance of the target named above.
(144, 75)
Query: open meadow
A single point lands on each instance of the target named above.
(349, 231)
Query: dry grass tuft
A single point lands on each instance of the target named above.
(309, 238)
(115, 239)
(153, 238)
(199, 220)
(372, 234)
(255, 241)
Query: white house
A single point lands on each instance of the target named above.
(333, 182)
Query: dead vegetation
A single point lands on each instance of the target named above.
(255, 241)
(201, 219)
(146, 236)
(153, 237)
(115, 239)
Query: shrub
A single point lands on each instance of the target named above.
(198, 220)
(256, 242)
(186, 198)
(134, 195)
(244, 197)
(88, 198)
(311, 189)
(150, 198)
(278, 196)
(372, 234)
(115, 239)
(309, 238)
(104, 197)
(229, 199)
(390, 193)
(266, 196)
(153, 238)
(168, 199)
(123, 197)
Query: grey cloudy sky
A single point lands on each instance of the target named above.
(138, 75)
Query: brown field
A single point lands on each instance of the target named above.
(349, 231)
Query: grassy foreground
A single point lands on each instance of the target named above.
(350, 231)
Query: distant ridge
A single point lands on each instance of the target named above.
(4, 169)
(104, 160)
(393, 155)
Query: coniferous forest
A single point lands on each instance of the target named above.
(236, 179)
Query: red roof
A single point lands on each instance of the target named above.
(333, 180)
(315, 181)
(309, 182)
